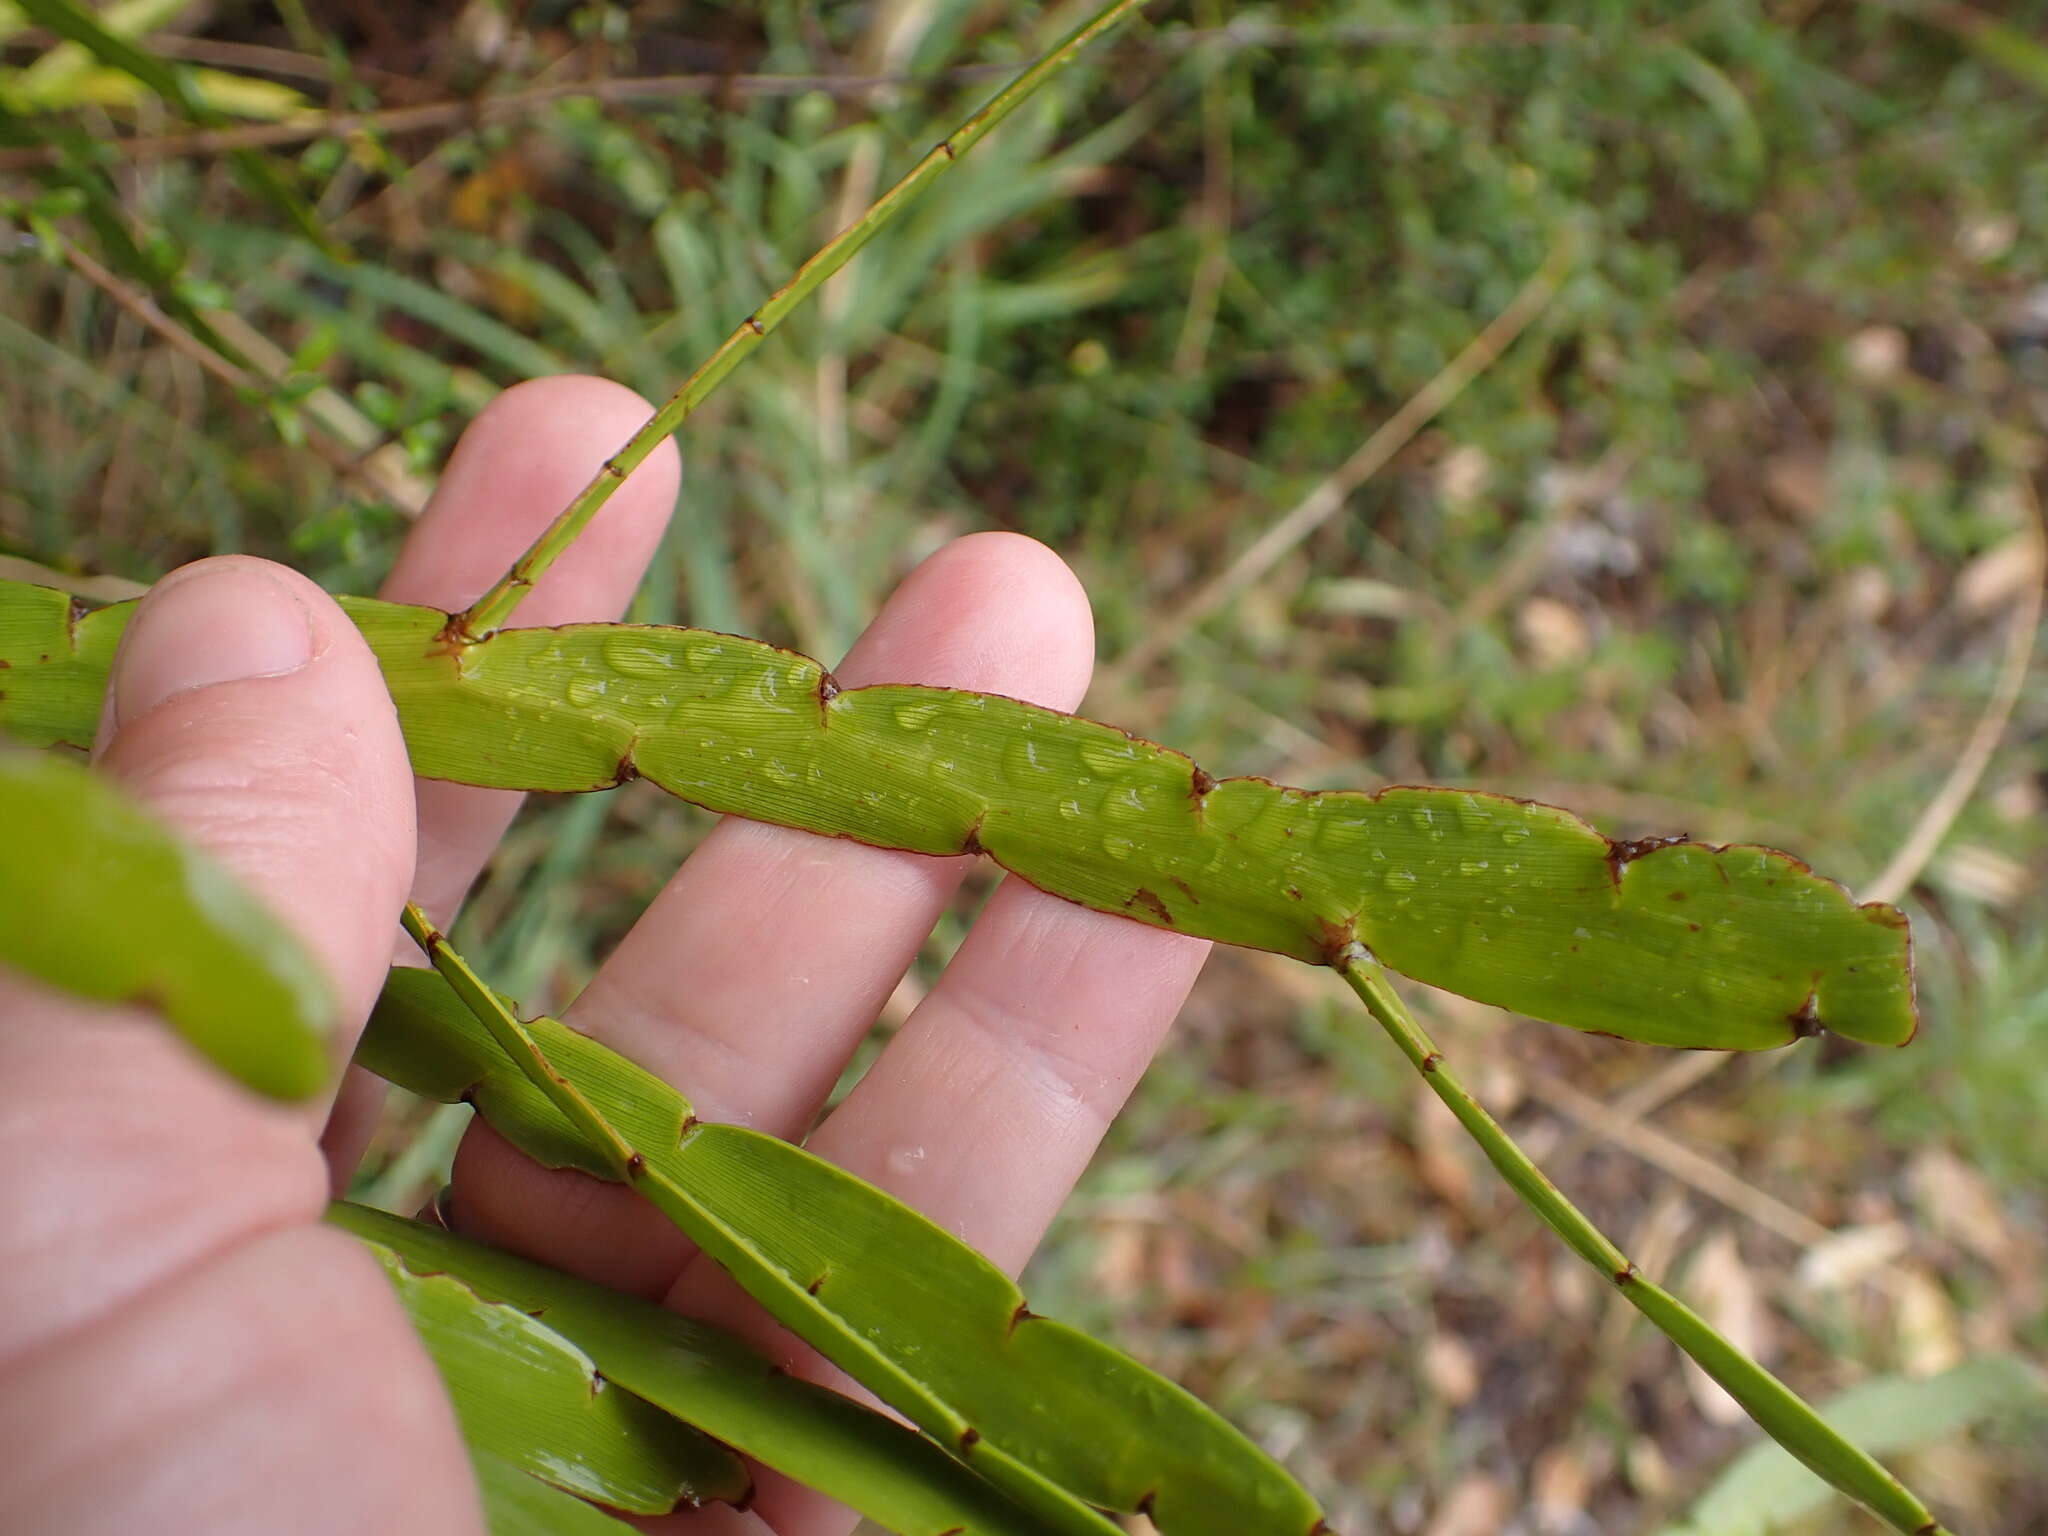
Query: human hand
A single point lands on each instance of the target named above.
(183, 1346)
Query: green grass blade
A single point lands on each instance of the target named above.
(256, 171)
(1765, 1488)
(1777, 1409)
(527, 1395)
(496, 606)
(871, 1463)
(516, 1504)
(1054, 1418)
(98, 899)
(1516, 904)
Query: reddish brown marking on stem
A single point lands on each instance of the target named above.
(970, 1437)
(1294, 892)
(1806, 1022)
(1023, 1314)
(828, 688)
(1186, 890)
(1335, 940)
(754, 324)
(611, 467)
(815, 1286)
(1928, 1529)
(5, 663)
(946, 148)
(1430, 1063)
(689, 1125)
(596, 1382)
(971, 843)
(1679, 896)
(1145, 1502)
(1625, 1276)
(1622, 853)
(627, 771)
(1201, 781)
(636, 1165)
(1149, 900)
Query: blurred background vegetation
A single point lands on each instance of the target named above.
(1640, 408)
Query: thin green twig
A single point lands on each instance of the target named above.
(1777, 1409)
(496, 606)
(516, 1040)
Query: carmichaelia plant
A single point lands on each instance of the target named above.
(1022, 1424)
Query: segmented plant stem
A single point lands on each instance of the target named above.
(496, 606)
(516, 1040)
(1778, 1410)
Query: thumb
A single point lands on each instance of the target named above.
(247, 712)
(166, 1286)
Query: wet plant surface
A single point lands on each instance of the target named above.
(1732, 535)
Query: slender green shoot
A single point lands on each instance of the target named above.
(516, 1040)
(496, 606)
(1777, 1409)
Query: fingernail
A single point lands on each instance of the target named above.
(209, 624)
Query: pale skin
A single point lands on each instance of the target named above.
(183, 1346)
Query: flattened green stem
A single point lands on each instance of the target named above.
(1525, 906)
(873, 1463)
(99, 899)
(491, 611)
(1056, 1420)
(1777, 1409)
(523, 1391)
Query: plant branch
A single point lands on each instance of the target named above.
(497, 605)
(515, 1040)
(1782, 1414)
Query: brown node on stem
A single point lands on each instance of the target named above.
(1339, 942)
(1200, 781)
(1023, 1314)
(1806, 1022)
(1625, 1276)
(1624, 852)
(970, 1437)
